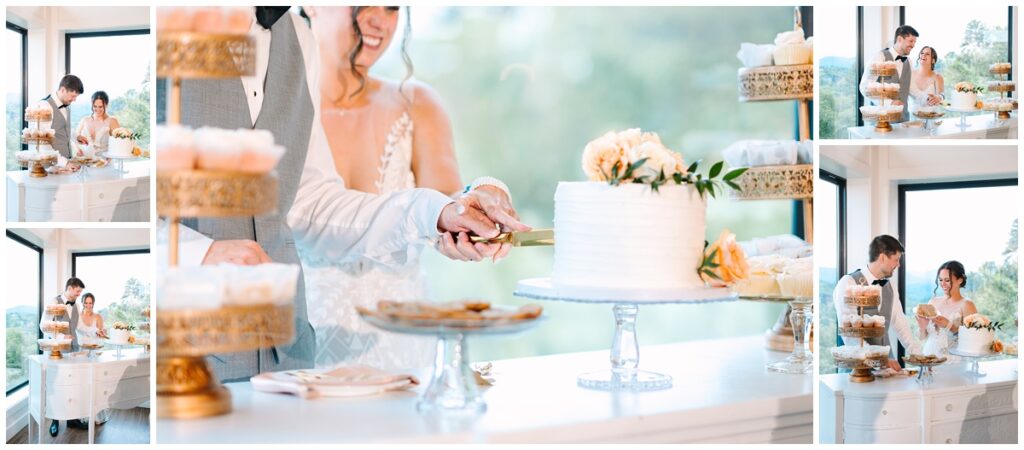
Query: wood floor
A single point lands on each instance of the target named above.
(129, 426)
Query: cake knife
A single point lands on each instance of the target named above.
(532, 238)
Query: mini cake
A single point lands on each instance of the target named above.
(872, 111)
(60, 343)
(797, 278)
(207, 19)
(883, 66)
(859, 291)
(42, 113)
(965, 96)
(215, 149)
(54, 326)
(860, 352)
(212, 287)
(1000, 67)
(876, 89)
(976, 335)
(792, 49)
(120, 333)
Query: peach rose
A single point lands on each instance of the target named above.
(997, 346)
(732, 262)
(600, 155)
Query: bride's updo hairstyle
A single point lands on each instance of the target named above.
(935, 60)
(955, 270)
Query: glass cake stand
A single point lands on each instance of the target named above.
(973, 360)
(452, 388)
(925, 374)
(624, 374)
(801, 316)
(963, 112)
(121, 160)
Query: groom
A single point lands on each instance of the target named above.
(69, 88)
(315, 211)
(72, 290)
(903, 42)
(884, 254)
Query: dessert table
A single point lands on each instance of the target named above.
(77, 386)
(979, 126)
(955, 407)
(105, 195)
(722, 393)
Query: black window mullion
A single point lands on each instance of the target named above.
(39, 303)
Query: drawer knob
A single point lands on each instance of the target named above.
(104, 373)
(949, 407)
(104, 392)
(949, 440)
(102, 195)
(885, 412)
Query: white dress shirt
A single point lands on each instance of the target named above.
(327, 219)
(898, 326)
(866, 78)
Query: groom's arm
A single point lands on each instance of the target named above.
(902, 327)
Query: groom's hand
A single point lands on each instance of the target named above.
(895, 365)
(243, 252)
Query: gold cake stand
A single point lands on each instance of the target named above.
(55, 349)
(186, 385)
(1002, 74)
(862, 367)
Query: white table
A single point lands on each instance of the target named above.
(105, 195)
(955, 407)
(979, 126)
(721, 393)
(77, 386)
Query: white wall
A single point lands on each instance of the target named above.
(47, 26)
(873, 175)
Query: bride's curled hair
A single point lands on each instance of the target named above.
(955, 270)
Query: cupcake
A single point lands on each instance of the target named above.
(238, 19)
(217, 149)
(209, 19)
(173, 19)
(791, 49)
(176, 148)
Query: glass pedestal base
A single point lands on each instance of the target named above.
(637, 381)
(795, 363)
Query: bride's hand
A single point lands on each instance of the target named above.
(495, 203)
(940, 321)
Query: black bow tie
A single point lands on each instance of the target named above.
(901, 58)
(267, 15)
(880, 282)
(70, 303)
(62, 106)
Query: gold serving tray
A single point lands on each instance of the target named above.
(862, 301)
(204, 55)
(228, 329)
(1002, 88)
(771, 83)
(1005, 71)
(883, 72)
(862, 332)
(776, 183)
(215, 194)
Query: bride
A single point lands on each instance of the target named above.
(95, 129)
(385, 136)
(927, 85)
(940, 331)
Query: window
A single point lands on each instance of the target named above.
(90, 55)
(830, 250)
(839, 69)
(946, 221)
(528, 87)
(967, 40)
(16, 68)
(23, 305)
(120, 281)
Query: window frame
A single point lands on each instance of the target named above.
(39, 302)
(24, 73)
(902, 190)
(68, 37)
(86, 254)
(840, 183)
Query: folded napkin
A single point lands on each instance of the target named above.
(344, 381)
(754, 55)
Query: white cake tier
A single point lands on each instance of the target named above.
(963, 100)
(119, 336)
(120, 147)
(975, 341)
(628, 236)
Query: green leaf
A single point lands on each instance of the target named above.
(632, 167)
(677, 177)
(615, 170)
(733, 185)
(693, 167)
(711, 274)
(716, 169)
(700, 188)
(711, 188)
(734, 173)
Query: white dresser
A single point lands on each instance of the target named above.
(955, 408)
(77, 387)
(104, 195)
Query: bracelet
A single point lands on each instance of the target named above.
(489, 181)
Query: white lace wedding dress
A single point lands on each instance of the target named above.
(920, 96)
(99, 138)
(333, 291)
(941, 340)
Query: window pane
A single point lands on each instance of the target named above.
(826, 238)
(127, 87)
(967, 40)
(120, 282)
(22, 309)
(837, 69)
(528, 87)
(952, 224)
(15, 108)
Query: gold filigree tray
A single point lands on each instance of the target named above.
(192, 333)
(1000, 71)
(36, 140)
(928, 115)
(215, 194)
(204, 55)
(880, 94)
(39, 117)
(861, 332)
(1002, 88)
(887, 117)
(776, 83)
(924, 360)
(862, 301)
(776, 183)
(883, 72)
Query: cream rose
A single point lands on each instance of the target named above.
(600, 155)
(659, 159)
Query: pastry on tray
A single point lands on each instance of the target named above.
(466, 310)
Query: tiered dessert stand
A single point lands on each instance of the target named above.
(49, 344)
(1002, 74)
(453, 386)
(793, 182)
(862, 367)
(625, 373)
(37, 166)
(186, 385)
(882, 121)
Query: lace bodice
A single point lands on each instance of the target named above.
(940, 340)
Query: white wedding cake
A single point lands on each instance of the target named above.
(975, 337)
(964, 96)
(628, 236)
(120, 333)
(120, 147)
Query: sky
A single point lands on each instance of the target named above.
(22, 265)
(105, 276)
